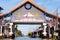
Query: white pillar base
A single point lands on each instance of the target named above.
(56, 34)
(50, 35)
(0, 34)
(44, 33)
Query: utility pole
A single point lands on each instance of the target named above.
(56, 24)
(57, 19)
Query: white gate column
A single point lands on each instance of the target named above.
(11, 28)
(0, 30)
(44, 30)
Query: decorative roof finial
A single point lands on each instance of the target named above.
(1, 8)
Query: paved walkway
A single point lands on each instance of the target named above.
(26, 38)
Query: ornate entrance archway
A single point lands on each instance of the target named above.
(26, 12)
